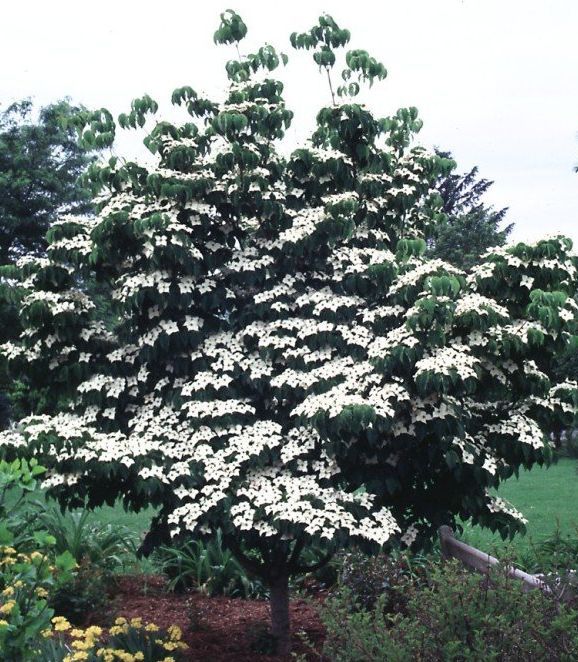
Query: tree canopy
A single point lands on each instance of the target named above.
(288, 365)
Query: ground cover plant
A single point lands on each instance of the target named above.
(287, 365)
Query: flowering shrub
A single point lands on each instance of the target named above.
(30, 572)
(287, 365)
(126, 641)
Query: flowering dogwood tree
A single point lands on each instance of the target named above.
(286, 365)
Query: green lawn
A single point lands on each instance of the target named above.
(547, 497)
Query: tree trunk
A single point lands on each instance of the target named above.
(280, 624)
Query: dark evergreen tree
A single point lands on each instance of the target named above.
(470, 226)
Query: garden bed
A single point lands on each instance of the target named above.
(215, 628)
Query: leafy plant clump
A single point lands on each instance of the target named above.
(106, 546)
(207, 567)
(284, 362)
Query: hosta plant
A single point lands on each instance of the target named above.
(287, 366)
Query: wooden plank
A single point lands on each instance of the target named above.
(474, 558)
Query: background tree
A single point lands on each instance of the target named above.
(40, 166)
(40, 163)
(287, 366)
(470, 226)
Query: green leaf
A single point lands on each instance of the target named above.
(65, 561)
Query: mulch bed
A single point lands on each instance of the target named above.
(216, 629)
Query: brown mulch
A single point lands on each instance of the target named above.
(216, 629)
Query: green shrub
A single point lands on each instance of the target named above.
(556, 553)
(455, 615)
(99, 549)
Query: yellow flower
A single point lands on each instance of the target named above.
(61, 624)
(3, 623)
(123, 656)
(46, 633)
(8, 560)
(36, 555)
(115, 629)
(9, 550)
(139, 656)
(79, 655)
(136, 622)
(77, 633)
(175, 632)
(7, 607)
(18, 584)
(93, 631)
(120, 621)
(81, 645)
(41, 592)
(168, 659)
(8, 591)
(151, 627)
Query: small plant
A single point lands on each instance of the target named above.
(207, 567)
(556, 553)
(103, 545)
(99, 550)
(371, 578)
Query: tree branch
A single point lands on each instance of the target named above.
(251, 565)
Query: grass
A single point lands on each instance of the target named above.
(547, 497)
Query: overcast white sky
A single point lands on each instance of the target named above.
(495, 81)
